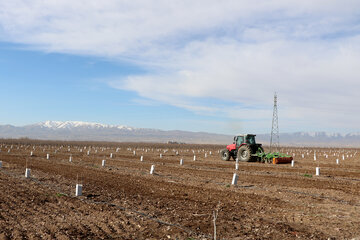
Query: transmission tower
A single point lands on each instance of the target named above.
(274, 139)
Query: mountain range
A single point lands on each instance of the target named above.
(86, 131)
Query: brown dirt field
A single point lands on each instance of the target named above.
(123, 201)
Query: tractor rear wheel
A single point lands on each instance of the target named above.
(225, 154)
(244, 153)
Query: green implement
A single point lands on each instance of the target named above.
(268, 157)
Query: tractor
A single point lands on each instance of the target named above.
(244, 148)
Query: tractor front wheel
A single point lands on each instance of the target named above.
(225, 154)
(244, 153)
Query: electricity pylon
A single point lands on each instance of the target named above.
(274, 139)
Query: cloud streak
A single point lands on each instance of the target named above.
(235, 53)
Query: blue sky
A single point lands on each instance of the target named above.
(200, 66)
(37, 86)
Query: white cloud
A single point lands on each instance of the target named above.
(236, 52)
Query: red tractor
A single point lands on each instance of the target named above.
(244, 148)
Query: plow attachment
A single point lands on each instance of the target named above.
(274, 158)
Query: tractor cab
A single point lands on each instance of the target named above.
(244, 138)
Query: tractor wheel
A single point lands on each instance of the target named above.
(244, 153)
(225, 154)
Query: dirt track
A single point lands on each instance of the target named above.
(123, 201)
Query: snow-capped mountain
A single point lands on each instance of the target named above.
(316, 139)
(77, 124)
(88, 131)
(322, 134)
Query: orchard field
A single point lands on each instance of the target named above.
(122, 200)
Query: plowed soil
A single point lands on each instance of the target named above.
(122, 200)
